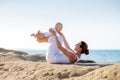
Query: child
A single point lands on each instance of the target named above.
(39, 35)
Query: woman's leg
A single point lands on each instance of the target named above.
(54, 55)
(52, 50)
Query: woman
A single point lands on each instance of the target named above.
(58, 54)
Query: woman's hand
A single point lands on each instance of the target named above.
(60, 33)
(52, 32)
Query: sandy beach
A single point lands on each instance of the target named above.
(17, 65)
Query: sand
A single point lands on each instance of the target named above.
(17, 65)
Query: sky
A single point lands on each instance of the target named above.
(97, 22)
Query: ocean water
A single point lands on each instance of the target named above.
(103, 56)
(95, 55)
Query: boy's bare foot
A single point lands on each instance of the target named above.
(39, 34)
(33, 34)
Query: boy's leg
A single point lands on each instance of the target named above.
(33, 34)
(40, 35)
(45, 39)
(53, 51)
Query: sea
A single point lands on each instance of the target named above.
(112, 56)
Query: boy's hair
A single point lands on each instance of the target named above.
(58, 24)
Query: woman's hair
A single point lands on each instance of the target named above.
(84, 47)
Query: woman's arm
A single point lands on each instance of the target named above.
(65, 41)
(69, 54)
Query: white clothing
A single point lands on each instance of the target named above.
(77, 58)
(47, 34)
(54, 55)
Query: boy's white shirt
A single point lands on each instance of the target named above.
(47, 34)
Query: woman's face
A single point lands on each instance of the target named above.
(77, 47)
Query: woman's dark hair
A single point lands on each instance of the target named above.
(84, 47)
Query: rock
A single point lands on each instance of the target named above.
(12, 55)
(86, 61)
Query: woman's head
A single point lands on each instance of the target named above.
(82, 47)
(58, 26)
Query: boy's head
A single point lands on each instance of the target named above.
(58, 27)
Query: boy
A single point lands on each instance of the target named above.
(42, 36)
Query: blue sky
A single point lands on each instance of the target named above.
(95, 21)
